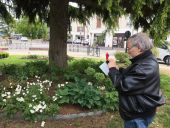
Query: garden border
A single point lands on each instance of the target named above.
(60, 116)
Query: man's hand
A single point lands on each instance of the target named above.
(112, 63)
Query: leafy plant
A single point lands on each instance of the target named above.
(121, 56)
(31, 100)
(4, 55)
(35, 68)
(81, 93)
(111, 101)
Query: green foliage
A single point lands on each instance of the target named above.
(165, 85)
(5, 14)
(99, 77)
(35, 68)
(90, 71)
(80, 93)
(111, 101)
(31, 100)
(35, 57)
(155, 51)
(78, 68)
(32, 57)
(34, 31)
(122, 58)
(13, 59)
(4, 55)
(160, 26)
(30, 69)
(163, 117)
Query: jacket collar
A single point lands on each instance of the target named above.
(141, 56)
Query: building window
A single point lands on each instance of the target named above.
(99, 22)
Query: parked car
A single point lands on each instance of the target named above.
(24, 39)
(86, 42)
(164, 53)
(77, 41)
(69, 41)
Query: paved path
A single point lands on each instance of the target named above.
(70, 53)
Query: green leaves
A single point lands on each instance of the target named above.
(80, 93)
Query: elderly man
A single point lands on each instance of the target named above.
(139, 84)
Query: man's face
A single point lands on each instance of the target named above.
(132, 50)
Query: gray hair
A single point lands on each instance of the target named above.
(142, 41)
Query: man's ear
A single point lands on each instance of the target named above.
(138, 46)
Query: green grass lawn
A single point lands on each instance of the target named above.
(14, 59)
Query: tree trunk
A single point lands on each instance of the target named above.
(58, 33)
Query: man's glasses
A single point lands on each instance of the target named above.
(130, 48)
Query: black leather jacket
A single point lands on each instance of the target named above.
(138, 87)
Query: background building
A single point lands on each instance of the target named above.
(95, 32)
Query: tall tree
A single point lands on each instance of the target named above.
(152, 15)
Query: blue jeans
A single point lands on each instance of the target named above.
(138, 122)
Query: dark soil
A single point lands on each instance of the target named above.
(100, 121)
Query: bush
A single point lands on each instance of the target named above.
(4, 55)
(30, 69)
(35, 68)
(81, 93)
(155, 51)
(78, 66)
(31, 100)
(122, 57)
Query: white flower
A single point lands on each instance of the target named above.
(8, 97)
(34, 96)
(3, 95)
(50, 83)
(18, 89)
(59, 86)
(54, 98)
(102, 88)
(4, 100)
(20, 99)
(42, 123)
(62, 85)
(32, 111)
(8, 93)
(89, 83)
(41, 110)
(30, 105)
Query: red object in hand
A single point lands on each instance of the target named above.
(107, 57)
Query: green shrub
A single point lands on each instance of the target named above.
(11, 69)
(30, 69)
(31, 100)
(78, 67)
(81, 93)
(32, 57)
(122, 57)
(4, 55)
(155, 51)
(35, 68)
(111, 101)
